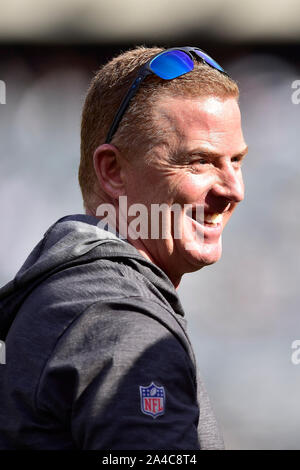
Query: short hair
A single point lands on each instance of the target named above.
(138, 130)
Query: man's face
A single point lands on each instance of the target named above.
(204, 171)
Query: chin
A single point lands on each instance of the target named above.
(204, 255)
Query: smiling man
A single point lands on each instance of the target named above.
(98, 356)
(202, 172)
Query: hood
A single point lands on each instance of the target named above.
(71, 240)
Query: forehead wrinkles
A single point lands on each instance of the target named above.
(189, 119)
(182, 113)
(166, 132)
(173, 119)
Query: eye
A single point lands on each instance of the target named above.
(200, 161)
(237, 161)
(199, 165)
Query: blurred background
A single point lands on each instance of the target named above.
(243, 312)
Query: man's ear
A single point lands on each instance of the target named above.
(108, 167)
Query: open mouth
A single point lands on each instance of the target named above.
(203, 218)
(212, 219)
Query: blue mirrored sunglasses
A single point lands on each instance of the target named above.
(169, 64)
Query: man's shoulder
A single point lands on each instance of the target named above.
(110, 292)
(73, 290)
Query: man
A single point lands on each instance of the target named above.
(97, 354)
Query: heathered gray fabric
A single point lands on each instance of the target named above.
(87, 320)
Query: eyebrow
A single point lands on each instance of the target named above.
(209, 154)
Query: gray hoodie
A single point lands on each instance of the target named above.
(97, 353)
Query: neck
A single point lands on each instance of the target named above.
(138, 244)
(142, 249)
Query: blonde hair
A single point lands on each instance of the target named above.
(138, 129)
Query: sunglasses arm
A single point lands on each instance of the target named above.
(125, 103)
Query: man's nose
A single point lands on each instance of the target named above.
(230, 183)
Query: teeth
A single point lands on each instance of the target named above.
(213, 218)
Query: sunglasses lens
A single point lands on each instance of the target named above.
(209, 60)
(171, 64)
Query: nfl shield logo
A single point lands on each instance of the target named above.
(153, 400)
